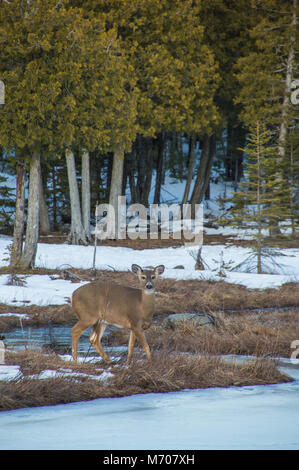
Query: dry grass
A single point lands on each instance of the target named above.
(172, 297)
(255, 333)
(185, 357)
(206, 296)
(138, 244)
(167, 372)
(259, 333)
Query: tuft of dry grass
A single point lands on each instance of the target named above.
(166, 372)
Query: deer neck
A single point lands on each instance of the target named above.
(148, 301)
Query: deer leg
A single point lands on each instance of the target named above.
(131, 346)
(95, 340)
(142, 340)
(77, 330)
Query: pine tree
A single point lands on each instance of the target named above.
(6, 204)
(68, 84)
(175, 69)
(265, 74)
(292, 177)
(261, 202)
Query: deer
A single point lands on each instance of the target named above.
(101, 303)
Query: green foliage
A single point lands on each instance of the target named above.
(265, 74)
(261, 73)
(175, 70)
(7, 204)
(262, 199)
(67, 81)
(226, 31)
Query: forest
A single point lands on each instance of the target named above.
(175, 105)
(105, 98)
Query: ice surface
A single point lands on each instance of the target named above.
(255, 417)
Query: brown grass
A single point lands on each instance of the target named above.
(138, 244)
(255, 333)
(172, 297)
(259, 333)
(167, 372)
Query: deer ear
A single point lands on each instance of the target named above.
(160, 269)
(136, 269)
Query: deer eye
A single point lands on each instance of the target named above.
(143, 277)
(153, 276)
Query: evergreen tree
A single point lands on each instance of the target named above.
(68, 85)
(227, 24)
(175, 69)
(6, 204)
(261, 202)
(265, 74)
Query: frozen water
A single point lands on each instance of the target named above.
(254, 417)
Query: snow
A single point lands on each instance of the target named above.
(12, 372)
(253, 417)
(50, 290)
(50, 374)
(38, 290)
(17, 315)
(8, 372)
(44, 290)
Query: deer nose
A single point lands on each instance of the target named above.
(149, 285)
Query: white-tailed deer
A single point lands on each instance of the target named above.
(99, 304)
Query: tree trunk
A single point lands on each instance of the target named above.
(192, 142)
(212, 152)
(141, 150)
(148, 173)
(54, 198)
(32, 226)
(44, 221)
(77, 233)
(198, 192)
(19, 216)
(109, 172)
(180, 155)
(115, 192)
(204, 170)
(199, 265)
(85, 189)
(160, 142)
(125, 177)
(131, 174)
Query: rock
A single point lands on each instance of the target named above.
(198, 319)
(179, 266)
